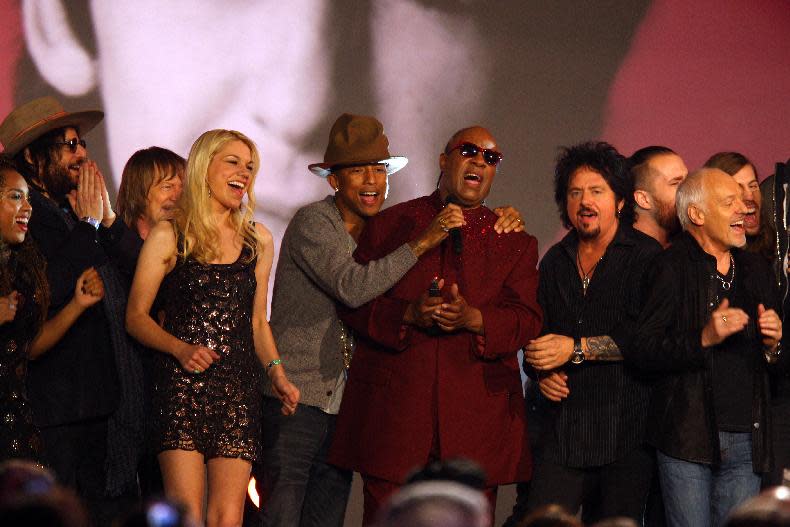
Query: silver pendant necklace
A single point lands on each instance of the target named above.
(588, 274)
(727, 284)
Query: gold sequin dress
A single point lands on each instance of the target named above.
(216, 412)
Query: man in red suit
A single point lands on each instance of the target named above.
(435, 374)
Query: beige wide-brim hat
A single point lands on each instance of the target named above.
(357, 140)
(30, 121)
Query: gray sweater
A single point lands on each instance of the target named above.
(315, 270)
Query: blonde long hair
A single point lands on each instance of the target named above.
(196, 224)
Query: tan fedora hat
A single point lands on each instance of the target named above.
(30, 121)
(357, 140)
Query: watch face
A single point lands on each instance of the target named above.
(577, 358)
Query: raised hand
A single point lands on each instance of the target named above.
(724, 321)
(86, 200)
(108, 216)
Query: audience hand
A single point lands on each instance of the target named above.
(8, 305)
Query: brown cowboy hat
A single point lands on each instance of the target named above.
(30, 121)
(357, 140)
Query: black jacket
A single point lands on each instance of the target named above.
(76, 380)
(603, 418)
(681, 420)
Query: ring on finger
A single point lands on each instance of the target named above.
(724, 318)
(197, 370)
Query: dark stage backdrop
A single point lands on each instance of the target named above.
(696, 76)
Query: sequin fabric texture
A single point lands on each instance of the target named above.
(18, 436)
(216, 412)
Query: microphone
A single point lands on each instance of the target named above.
(455, 232)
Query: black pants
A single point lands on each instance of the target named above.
(76, 453)
(616, 489)
(780, 416)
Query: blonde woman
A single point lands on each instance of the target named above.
(212, 266)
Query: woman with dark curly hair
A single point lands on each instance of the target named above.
(24, 333)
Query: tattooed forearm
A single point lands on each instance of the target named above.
(603, 348)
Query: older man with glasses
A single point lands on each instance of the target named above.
(435, 373)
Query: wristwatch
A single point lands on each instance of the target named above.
(91, 221)
(578, 352)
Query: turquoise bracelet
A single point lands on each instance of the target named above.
(273, 363)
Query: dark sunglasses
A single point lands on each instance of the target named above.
(73, 143)
(491, 157)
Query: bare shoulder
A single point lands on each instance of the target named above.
(162, 237)
(264, 233)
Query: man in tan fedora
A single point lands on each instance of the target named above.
(90, 438)
(316, 271)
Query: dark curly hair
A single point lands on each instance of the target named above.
(599, 157)
(23, 262)
(43, 152)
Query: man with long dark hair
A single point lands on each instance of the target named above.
(85, 392)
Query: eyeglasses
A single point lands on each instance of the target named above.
(73, 143)
(491, 157)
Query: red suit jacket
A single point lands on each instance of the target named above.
(410, 392)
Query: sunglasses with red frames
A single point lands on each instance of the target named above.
(73, 143)
(466, 149)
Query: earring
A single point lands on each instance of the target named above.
(209, 191)
(337, 188)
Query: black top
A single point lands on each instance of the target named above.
(18, 436)
(603, 418)
(682, 421)
(731, 372)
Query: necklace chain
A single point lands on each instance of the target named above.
(588, 274)
(727, 284)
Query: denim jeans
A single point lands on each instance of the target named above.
(299, 488)
(699, 495)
